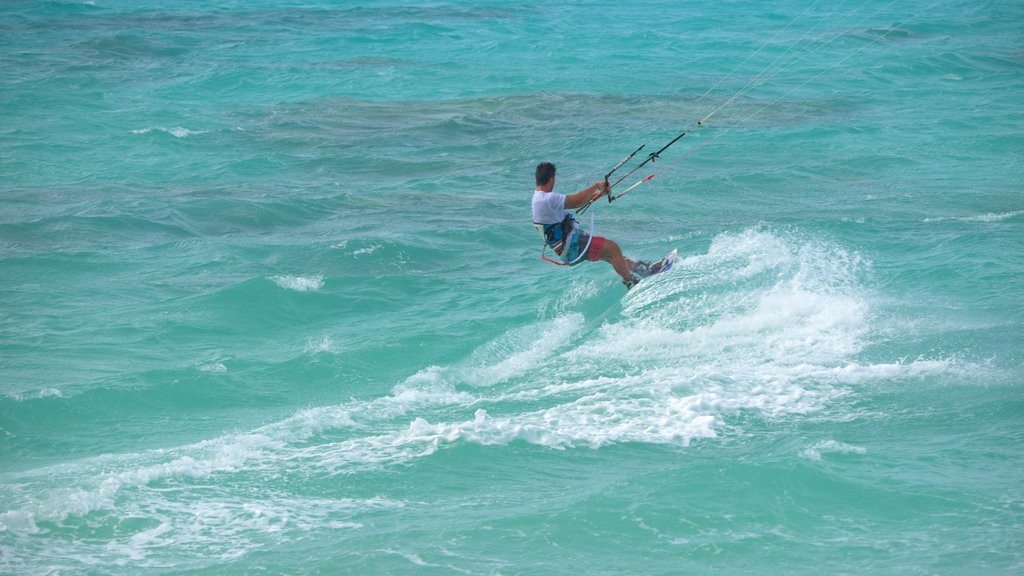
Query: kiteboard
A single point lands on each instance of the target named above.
(659, 267)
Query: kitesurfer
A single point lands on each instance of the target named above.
(552, 217)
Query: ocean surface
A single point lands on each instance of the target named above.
(271, 301)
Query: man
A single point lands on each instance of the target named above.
(551, 215)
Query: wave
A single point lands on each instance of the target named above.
(831, 447)
(989, 217)
(764, 327)
(300, 283)
(176, 131)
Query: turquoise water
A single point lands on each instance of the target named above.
(270, 300)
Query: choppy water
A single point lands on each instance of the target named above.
(270, 300)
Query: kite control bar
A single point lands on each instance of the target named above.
(617, 166)
(608, 187)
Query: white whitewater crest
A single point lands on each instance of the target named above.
(990, 217)
(300, 283)
(214, 368)
(831, 447)
(176, 131)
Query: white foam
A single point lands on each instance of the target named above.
(176, 131)
(94, 484)
(790, 326)
(368, 250)
(566, 299)
(300, 283)
(854, 373)
(994, 217)
(308, 423)
(41, 393)
(519, 351)
(18, 521)
(319, 345)
(224, 528)
(763, 308)
(989, 217)
(226, 518)
(593, 421)
(428, 387)
(831, 447)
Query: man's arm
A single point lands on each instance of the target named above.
(588, 194)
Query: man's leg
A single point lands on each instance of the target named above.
(612, 254)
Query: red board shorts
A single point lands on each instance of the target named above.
(596, 246)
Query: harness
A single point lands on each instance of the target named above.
(561, 237)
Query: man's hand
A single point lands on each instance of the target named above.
(586, 196)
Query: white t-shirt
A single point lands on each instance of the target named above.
(548, 207)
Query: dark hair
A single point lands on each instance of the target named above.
(545, 172)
